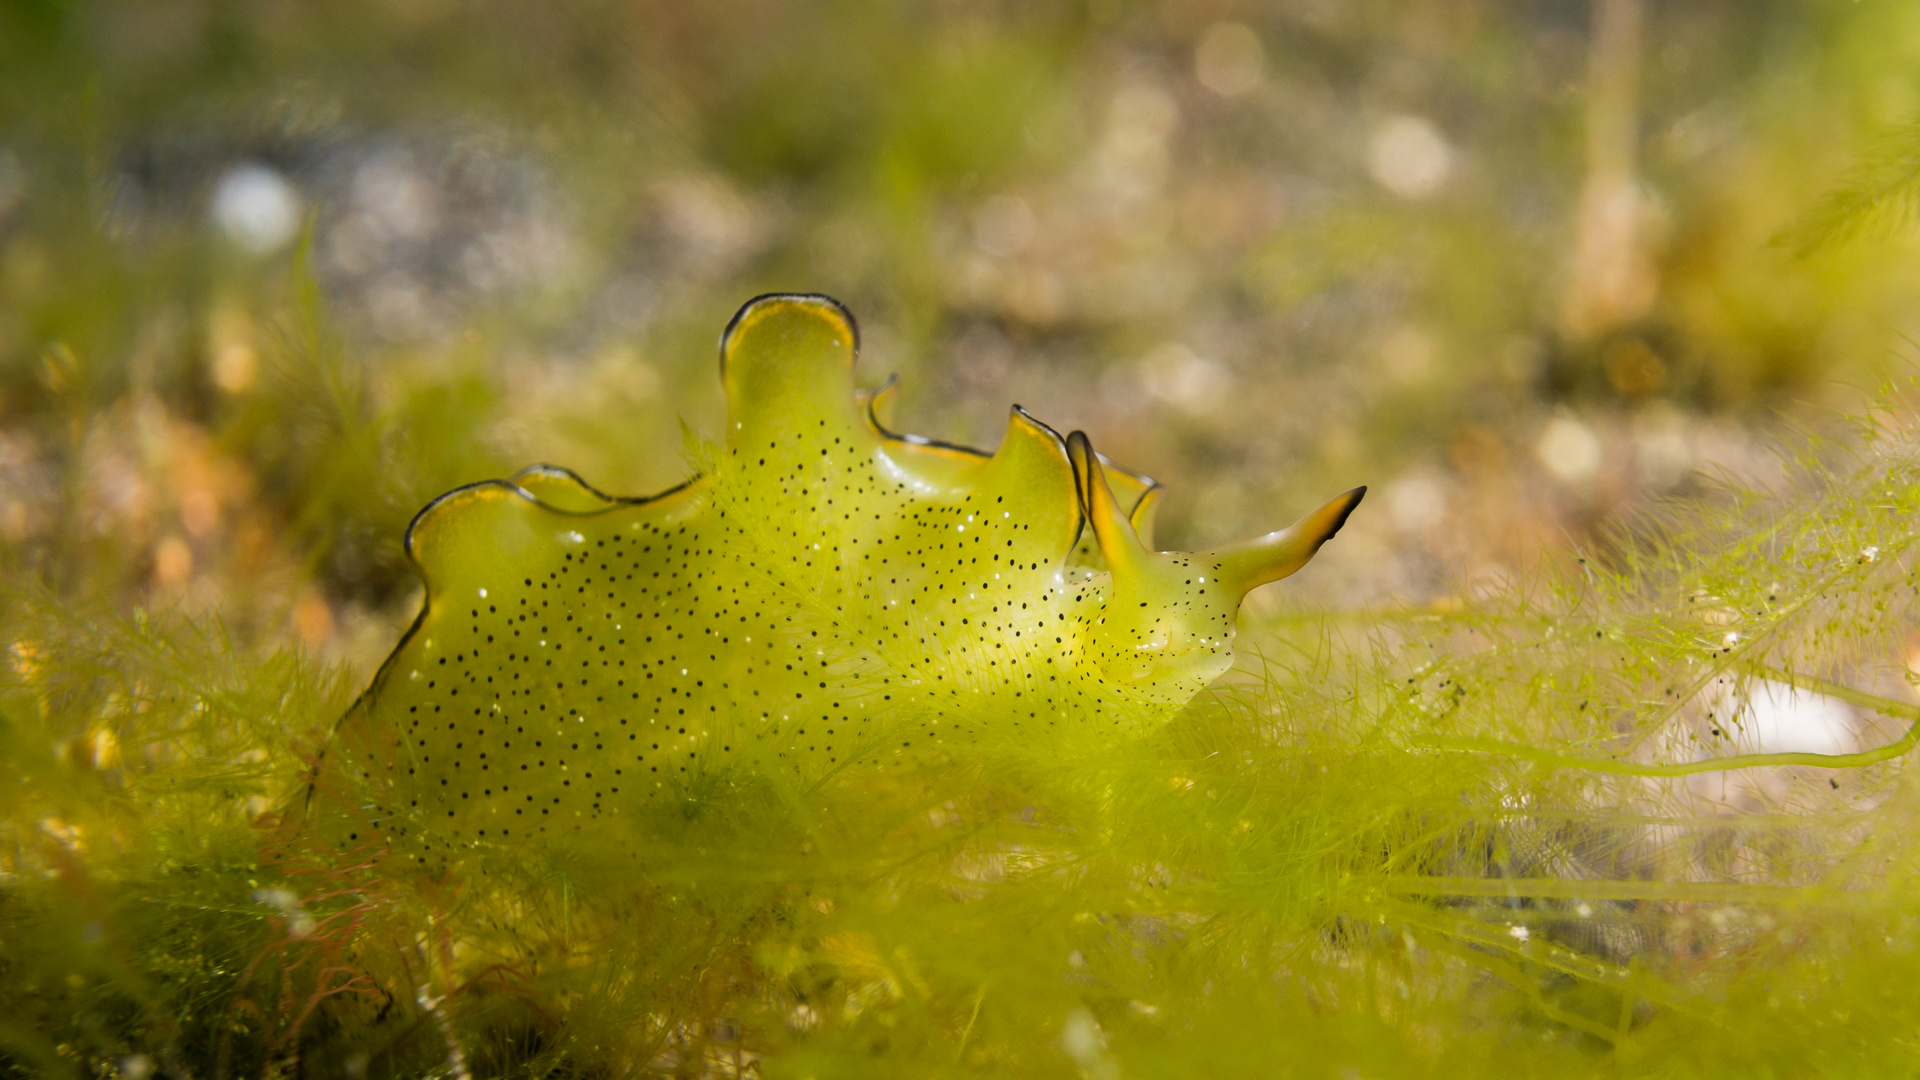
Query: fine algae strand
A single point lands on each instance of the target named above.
(825, 595)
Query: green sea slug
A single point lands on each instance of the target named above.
(826, 595)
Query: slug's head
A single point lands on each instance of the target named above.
(1168, 624)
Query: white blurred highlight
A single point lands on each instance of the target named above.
(1777, 718)
(1416, 503)
(1229, 60)
(256, 208)
(1569, 449)
(1410, 157)
(1175, 374)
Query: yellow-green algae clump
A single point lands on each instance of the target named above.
(825, 595)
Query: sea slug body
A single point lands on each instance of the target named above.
(827, 594)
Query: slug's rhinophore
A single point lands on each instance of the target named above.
(827, 594)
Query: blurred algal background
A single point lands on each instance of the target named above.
(273, 274)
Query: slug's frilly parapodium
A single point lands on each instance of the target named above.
(825, 595)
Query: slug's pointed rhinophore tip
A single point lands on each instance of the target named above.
(1119, 544)
(1253, 563)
